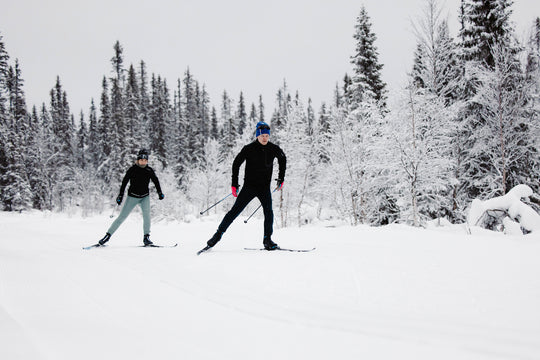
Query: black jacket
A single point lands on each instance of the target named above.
(259, 164)
(139, 178)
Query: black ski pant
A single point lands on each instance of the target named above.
(245, 196)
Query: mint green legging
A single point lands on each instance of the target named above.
(131, 202)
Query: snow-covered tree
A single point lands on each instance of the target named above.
(504, 147)
(64, 163)
(366, 81)
(421, 126)
(485, 23)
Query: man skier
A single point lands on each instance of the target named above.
(139, 176)
(259, 157)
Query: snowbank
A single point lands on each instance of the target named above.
(518, 214)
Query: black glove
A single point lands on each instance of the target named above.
(279, 183)
(161, 196)
(119, 199)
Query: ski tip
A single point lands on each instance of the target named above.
(206, 248)
(93, 246)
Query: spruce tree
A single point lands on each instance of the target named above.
(252, 118)
(261, 109)
(241, 114)
(93, 150)
(366, 80)
(214, 127)
(4, 121)
(485, 23)
(144, 104)
(64, 133)
(106, 136)
(82, 143)
(134, 125)
(204, 111)
(229, 125)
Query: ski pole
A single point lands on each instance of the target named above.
(202, 212)
(245, 221)
(113, 211)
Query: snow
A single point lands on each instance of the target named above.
(391, 292)
(511, 203)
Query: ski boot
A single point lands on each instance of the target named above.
(215, 238)
(146, 240)
(269, 244)
(104, 240)
(210, 243)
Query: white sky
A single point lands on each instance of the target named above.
(233, 45)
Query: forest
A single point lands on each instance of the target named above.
(466, 126)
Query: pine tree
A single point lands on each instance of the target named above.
(144, 104)
(310, 117)
(4, 58)
(281, 112)
(205, 120)
(82, 143)
(261, 109)
(17, 102)
(117, 62)
(16, 193)
(106, 136)
(485, 23)
(252, 119)
(229, 126)
(34, 159)
(63, 147)
(45, 192)
(159, 120)
(366, 81)
(214, 128)
(119, 143)
(93, 150)
(4, 121)
(189, 118)
(120, 136)
(419, 66)
(134, 125)
(241, 114)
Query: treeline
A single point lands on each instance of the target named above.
(465, 126)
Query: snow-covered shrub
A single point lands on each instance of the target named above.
(508, 212)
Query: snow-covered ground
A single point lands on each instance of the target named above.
(393, 292)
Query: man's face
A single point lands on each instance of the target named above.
(263, 138)
(143, 162)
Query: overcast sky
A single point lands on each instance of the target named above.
(233, 45)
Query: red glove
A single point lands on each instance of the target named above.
(279, 184)
(234, 189)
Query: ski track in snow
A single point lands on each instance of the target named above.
(378, 293)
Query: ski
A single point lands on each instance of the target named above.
(206, 248)
(151, 246)
(281, 249)
(93, 246)
(159, 246)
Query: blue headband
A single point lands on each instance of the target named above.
(262, 129)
